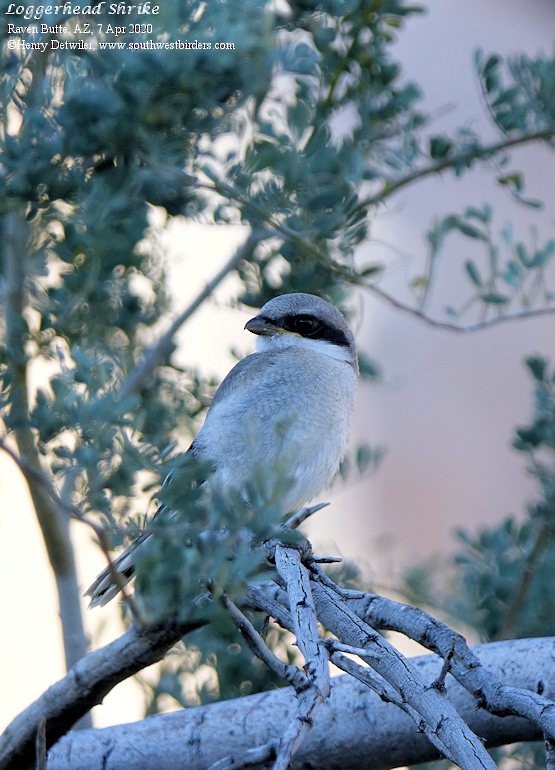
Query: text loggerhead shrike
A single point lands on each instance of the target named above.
(287, 408)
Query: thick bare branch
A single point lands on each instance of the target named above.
(354, 729)
(497, 697)
(83, 687)
(440, 722)
(340, 611)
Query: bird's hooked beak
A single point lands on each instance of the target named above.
(262, 326)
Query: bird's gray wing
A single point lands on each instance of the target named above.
(251, 368)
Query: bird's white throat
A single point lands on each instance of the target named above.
(278, 341)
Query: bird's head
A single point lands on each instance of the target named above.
(305, 321)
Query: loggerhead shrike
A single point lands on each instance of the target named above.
(287, 407)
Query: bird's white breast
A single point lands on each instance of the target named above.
(284, 418)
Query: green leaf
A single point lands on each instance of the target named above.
(440, 147)
(538, 367)
(492, 62)
(533, 203)
(299, 115)
(514, 180)
(472, 272)
(367, 457)
(370, 270)
(470, 231)
(482, 215)
(542, 256)
(326, 199)
(419, 282)
(513, 273)
(520, 251)
(369, 369)
(528, 437)
(494, 298)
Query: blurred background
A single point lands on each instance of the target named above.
(444, 409)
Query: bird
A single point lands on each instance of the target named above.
(286, 408)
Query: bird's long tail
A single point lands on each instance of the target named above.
(105, 587)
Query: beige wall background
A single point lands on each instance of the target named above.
(445, 408)
(448, 403)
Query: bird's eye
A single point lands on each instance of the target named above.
(305, 325)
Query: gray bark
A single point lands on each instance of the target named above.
(53, 523)
(353, 729)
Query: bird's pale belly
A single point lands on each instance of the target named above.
(289, 448)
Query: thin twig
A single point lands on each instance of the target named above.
(270, 599)
(250, 758)
(156, 354)
(256, 643)
(296, 519)
(227, 190)
(476, 153)
(449, 325)
(368, 676)
(351, 276)
(520, 591)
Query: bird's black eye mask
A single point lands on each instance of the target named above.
(307, 325)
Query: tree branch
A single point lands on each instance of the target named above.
(520, 592)
(305, 622)
(448, 325)
(288, 673)
(53, 525)
(490, 693)
(342, 612)
(84, 686)
(155, 355)
(438, 719)
(36, 476)
(364, 673)
(356, 729)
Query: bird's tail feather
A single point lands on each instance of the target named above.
(105, 587)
